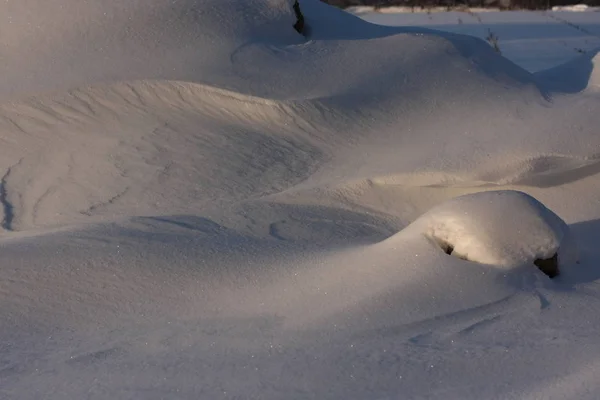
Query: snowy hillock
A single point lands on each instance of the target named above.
(503, 228)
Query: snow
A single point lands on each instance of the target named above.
(535, 40)
(200, 203)
(578, 75)
(574, 8)
(502, 228)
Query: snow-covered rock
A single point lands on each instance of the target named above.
(504, 228)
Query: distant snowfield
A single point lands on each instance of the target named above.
(200, 203)
(535, 40)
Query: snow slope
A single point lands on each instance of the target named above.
(199, 202)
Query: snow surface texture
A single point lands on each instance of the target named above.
(200, 203)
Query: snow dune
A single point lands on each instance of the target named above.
(199, 202)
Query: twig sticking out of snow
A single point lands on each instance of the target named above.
(493, 39)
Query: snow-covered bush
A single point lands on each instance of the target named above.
(503, 228)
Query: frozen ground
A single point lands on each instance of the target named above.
(200, 203)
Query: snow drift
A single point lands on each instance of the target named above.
(503, 228)
(191, 84)
(199, 202)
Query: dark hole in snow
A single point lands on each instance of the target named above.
(549, 266)
(299, 25)
(449, 249)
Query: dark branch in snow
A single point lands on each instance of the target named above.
(299, 25)
(6, 204)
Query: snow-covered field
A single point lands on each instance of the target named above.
(200, 203)
(535, 40)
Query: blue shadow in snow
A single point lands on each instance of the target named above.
(572, 77)
(587, 237)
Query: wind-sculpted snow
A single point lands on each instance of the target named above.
(62, 44)
(198, 202)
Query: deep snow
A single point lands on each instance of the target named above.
(199, 202)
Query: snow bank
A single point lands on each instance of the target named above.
(502, 228)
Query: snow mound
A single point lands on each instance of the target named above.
(504, 228)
